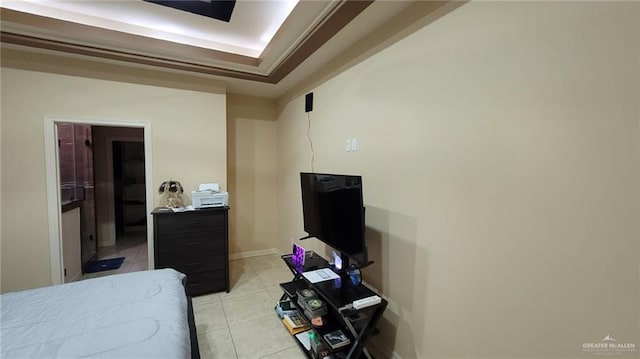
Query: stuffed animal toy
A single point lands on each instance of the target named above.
(171, 192)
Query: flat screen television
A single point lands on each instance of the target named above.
(333, 212)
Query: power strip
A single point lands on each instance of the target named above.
(366, 302)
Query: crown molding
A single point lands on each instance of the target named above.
(44, 33)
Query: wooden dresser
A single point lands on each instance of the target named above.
(195, 243)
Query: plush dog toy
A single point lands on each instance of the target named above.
(171, 192)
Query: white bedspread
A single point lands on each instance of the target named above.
(132, 315)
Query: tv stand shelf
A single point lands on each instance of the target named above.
(337, 294)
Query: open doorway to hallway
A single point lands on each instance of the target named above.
(120, 187)
(103, 196)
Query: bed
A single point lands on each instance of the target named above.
(133, 315)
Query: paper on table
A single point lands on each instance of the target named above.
(320, 275)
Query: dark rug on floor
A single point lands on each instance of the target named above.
(103, 265)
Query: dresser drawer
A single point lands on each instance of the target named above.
(179, 244)
(193, 263)
(190, 222)
(196, 244)
(206, 282)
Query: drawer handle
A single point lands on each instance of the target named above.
(194, 284)
(195, 223)
(194, 264)
(191, 244)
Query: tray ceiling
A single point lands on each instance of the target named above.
(266, 48)
(263, 41)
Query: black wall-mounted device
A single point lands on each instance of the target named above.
(308, 102)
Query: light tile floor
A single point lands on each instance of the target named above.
(242, 323)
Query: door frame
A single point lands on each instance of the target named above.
(52, 178)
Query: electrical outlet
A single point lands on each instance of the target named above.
(348, 145)
(354, 144)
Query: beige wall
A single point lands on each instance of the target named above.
(251, 135)
(188, 140)
(500, 162)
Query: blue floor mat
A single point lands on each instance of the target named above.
(103, 265)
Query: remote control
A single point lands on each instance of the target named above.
(366, 302)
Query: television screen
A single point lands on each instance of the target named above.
(333, 212)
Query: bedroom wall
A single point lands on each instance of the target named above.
(499, 152)
(251, 155)
(188, 140)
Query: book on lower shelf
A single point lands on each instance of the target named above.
(294, 330)
(336, 339)
(295, 320)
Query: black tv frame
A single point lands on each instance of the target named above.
(360, 256)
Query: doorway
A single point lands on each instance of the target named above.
(121, 182)
(105, 228)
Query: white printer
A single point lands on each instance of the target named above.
(209, 195)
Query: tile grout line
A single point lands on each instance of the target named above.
(226, 319)
(222, 300)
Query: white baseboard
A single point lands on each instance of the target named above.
(249, 254)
